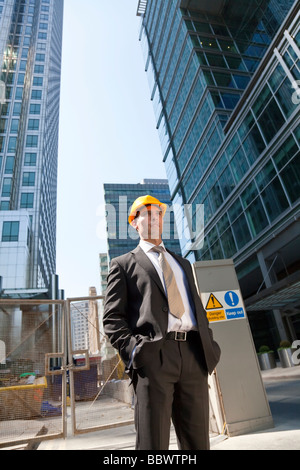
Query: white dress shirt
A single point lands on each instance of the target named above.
(187, 322)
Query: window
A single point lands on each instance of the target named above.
(241, 80)
(33, 124)
(36, 94)
(6, 188)
(215, 60)
(28, 179)
(30, 159)
(291, 178)
(37, 81)
(274, 199)
(3, 124)
(9, 165)
(227, 46)
(27, 201)
(284, 96)
(241, 231)
(271, 120)
(262, 100)
(12, 144)
(35, 109)
(228, 243)
(40, 57)
(32, 141)
(38, 69)
(235, 63)
(42, 35)
(14, 126)
(10, 231)
(19, 93)
(17, 109)
(210, 43)
(4, 206)
(224, 80)
(285, 152)
(21, 78)
(230, 100)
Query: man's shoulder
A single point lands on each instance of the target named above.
(124, 259)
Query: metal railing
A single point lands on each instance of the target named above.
(54, 355)
(32, 399)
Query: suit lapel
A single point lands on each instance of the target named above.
(143, 260)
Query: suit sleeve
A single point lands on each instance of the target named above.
(115, 319)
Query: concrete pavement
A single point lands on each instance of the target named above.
(283, 391)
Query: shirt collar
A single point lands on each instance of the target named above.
(146, 246)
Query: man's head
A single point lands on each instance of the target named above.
(146, 216)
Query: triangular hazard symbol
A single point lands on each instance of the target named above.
(213, 303)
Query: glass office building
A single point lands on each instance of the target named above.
(30, 61)
(224, 80)
(121, 237)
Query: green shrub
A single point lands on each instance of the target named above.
(284, 344)
(264, 349)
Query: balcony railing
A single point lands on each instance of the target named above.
(141, 9)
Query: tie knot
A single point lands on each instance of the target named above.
(158, 249)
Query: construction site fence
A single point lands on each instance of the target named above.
(58, 371)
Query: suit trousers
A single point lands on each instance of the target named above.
(173, 385)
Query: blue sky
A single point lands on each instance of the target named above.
(107, 129)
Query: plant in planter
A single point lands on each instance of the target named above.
(266, 358)
(285, 354)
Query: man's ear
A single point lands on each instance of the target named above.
(134, 224)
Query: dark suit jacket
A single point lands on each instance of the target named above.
(136, 310)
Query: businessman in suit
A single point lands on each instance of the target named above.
(154, 317)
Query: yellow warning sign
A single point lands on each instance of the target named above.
(216, 315)
(213, 303)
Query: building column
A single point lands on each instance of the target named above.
(268, 282)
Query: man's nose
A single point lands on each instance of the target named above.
(154, 217)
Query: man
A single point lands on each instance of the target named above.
(154, 317)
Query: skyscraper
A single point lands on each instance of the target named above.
(30, 61)
(224, 81)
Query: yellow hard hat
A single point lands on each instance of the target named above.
(144, 201)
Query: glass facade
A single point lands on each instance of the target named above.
(30, 67)
(225, 91)
(121, 237)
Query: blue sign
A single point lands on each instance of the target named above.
(231, 298)
(233, 313)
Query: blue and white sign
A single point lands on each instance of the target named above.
(231, 298)
(223, 305)
(234, 313)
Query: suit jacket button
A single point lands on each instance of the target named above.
(165, 309)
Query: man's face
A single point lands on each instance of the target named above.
(149, 223)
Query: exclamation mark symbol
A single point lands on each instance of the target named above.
(231, 298)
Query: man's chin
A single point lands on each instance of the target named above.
(155, 235)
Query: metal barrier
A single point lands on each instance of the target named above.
(100, 396)
(32, 371)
